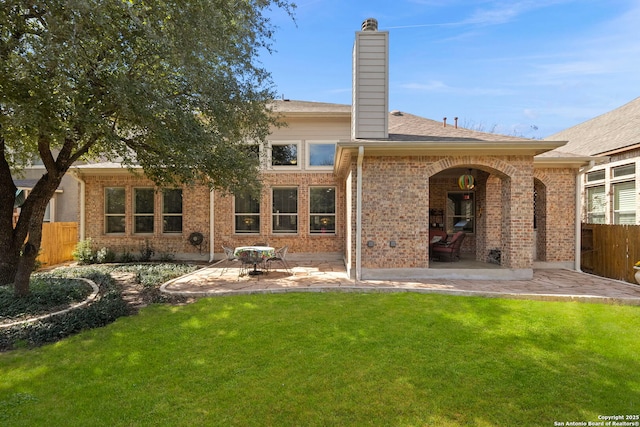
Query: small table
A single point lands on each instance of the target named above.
(254, 255)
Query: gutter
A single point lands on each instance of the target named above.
(359, 215)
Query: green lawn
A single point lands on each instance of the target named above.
(335, 359)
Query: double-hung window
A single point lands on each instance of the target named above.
(322, 210)
(114, 210)
(596, 205)
(247, 214)
(284, 210)
(624, 202)
(143, 212)
(172, 210)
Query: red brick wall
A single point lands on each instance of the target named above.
(398, 192)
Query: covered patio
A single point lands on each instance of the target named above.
(221, 278)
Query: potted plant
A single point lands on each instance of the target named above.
(636, 267)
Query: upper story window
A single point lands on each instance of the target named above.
(143, 204)
(284, 155)
(460, 214)
(114, 210)
(172, 210)
(320, 154)
(247, 214)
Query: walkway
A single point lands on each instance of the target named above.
(549, 285)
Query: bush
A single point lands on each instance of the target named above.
(146, 252)
(83, 253)
(105, 255)
(127, 256)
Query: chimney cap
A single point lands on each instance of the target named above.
(370, 24)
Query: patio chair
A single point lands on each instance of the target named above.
(248, 260)
(449, 251)
(229, 258)
(280, 256)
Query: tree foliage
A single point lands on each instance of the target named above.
(172, 86)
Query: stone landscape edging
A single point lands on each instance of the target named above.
(90, 298)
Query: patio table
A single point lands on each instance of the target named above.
(255, 255)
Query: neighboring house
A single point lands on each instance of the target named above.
(611, 185)
(63, 206)
(362, 184)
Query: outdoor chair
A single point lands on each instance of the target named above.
(280, 256)
(229, 259)
(448, 251)
(248, 260)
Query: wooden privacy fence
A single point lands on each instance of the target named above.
(59, 239)
(610, 250)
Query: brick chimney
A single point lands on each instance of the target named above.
(370, 104)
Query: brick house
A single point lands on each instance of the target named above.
(611, 184)
(362, 184)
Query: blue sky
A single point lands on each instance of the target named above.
(518, 67)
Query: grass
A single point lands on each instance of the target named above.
(335, 359)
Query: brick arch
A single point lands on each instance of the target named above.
(493, 165)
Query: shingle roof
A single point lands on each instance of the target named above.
(402, 126)
(408, 127)
(616, 129)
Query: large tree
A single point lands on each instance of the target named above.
(173, 86)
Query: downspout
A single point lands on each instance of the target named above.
(211, 226)
(359, 215)
(81, 227)
(578, 221)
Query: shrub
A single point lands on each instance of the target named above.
(105, 255)
(146, 252)
(83, 253)
(127, 256)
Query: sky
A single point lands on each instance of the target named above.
(527, 68)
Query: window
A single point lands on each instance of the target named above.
(284, 155)
(595, 176)
(596, 205)
(143, 210)
(322, 210)
(114, 202)
(625, 170)
(247, 213)
(320, 154)
(285, 210)
(172, 210)
(460, 212)
(624, 203)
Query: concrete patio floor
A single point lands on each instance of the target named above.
(222, 278)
